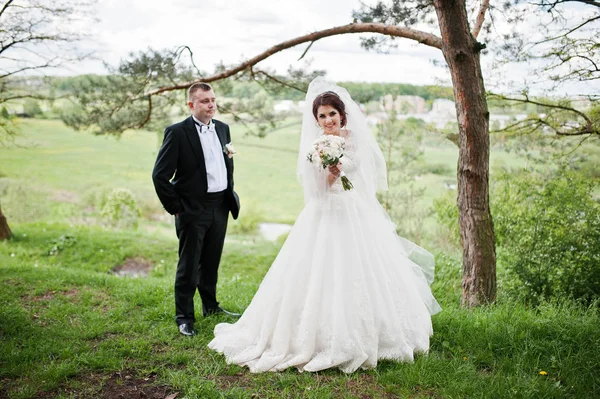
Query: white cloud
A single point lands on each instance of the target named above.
(235, 30)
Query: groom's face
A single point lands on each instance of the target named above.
(203, 105)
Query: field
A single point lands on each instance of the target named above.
(71, 327)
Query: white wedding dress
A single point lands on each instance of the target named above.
(344, 291)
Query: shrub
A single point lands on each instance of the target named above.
(31, 108)
(119, 209)
(248, 221)
(446, 212)
(440, 169)
(548, 236)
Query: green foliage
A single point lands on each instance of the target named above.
(120, 209)
(446, 212)
(586, 160)
(436, 168)
(400, 141)
(447, 284)
(258, 107)
(365, 92)
(548, 233)
(9, 128)
(60, 243)
(31, 108)
(68, 326)
(107, 105)
(245, 89)
(248, 221)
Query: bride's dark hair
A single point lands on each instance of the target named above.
(333, 100)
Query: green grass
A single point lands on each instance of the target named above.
(57, 164)
(65, 317)
(68, 171)
(67, 324)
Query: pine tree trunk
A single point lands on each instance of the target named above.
(461, 52)
(4, 229)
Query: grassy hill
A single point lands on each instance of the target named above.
(71, 327)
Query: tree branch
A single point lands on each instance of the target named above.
(5, 7)
(306, 51)
(480, 17)
(568, 32)
(180, 51)
(48, 64)
(589, 2)
(553, 4)
(555, 106)
(390, 30)
(274, 79)
(148, 115)
(536, 122)
(34, 96)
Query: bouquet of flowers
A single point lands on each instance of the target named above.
(327, 150)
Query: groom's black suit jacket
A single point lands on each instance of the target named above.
(181, 154)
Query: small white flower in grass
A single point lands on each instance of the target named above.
(12, 255)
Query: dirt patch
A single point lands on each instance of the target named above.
(50, 295)
(363, 386)
(133, 267)
(96, 341)
(425, 392)
(12, 282)
(119, 385)
(237, 380)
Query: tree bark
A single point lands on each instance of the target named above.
(4, 229)
(461, 52)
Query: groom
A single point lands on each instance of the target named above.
(193, 177)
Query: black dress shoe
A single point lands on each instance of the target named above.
(187, 329)
(219, 310)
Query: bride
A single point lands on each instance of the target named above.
(345, 290)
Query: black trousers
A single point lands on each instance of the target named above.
(201, 237)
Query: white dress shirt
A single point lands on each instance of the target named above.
(216, 171)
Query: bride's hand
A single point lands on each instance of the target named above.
(335, 169)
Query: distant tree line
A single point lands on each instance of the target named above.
(363, 92)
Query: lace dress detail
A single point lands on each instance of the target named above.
(342, 291)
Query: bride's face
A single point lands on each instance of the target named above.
(329, 119)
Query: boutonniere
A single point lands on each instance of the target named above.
(229, 150)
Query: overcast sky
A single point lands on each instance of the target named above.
(232, 31)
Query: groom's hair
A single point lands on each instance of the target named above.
(333, 100)
(198, 86)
